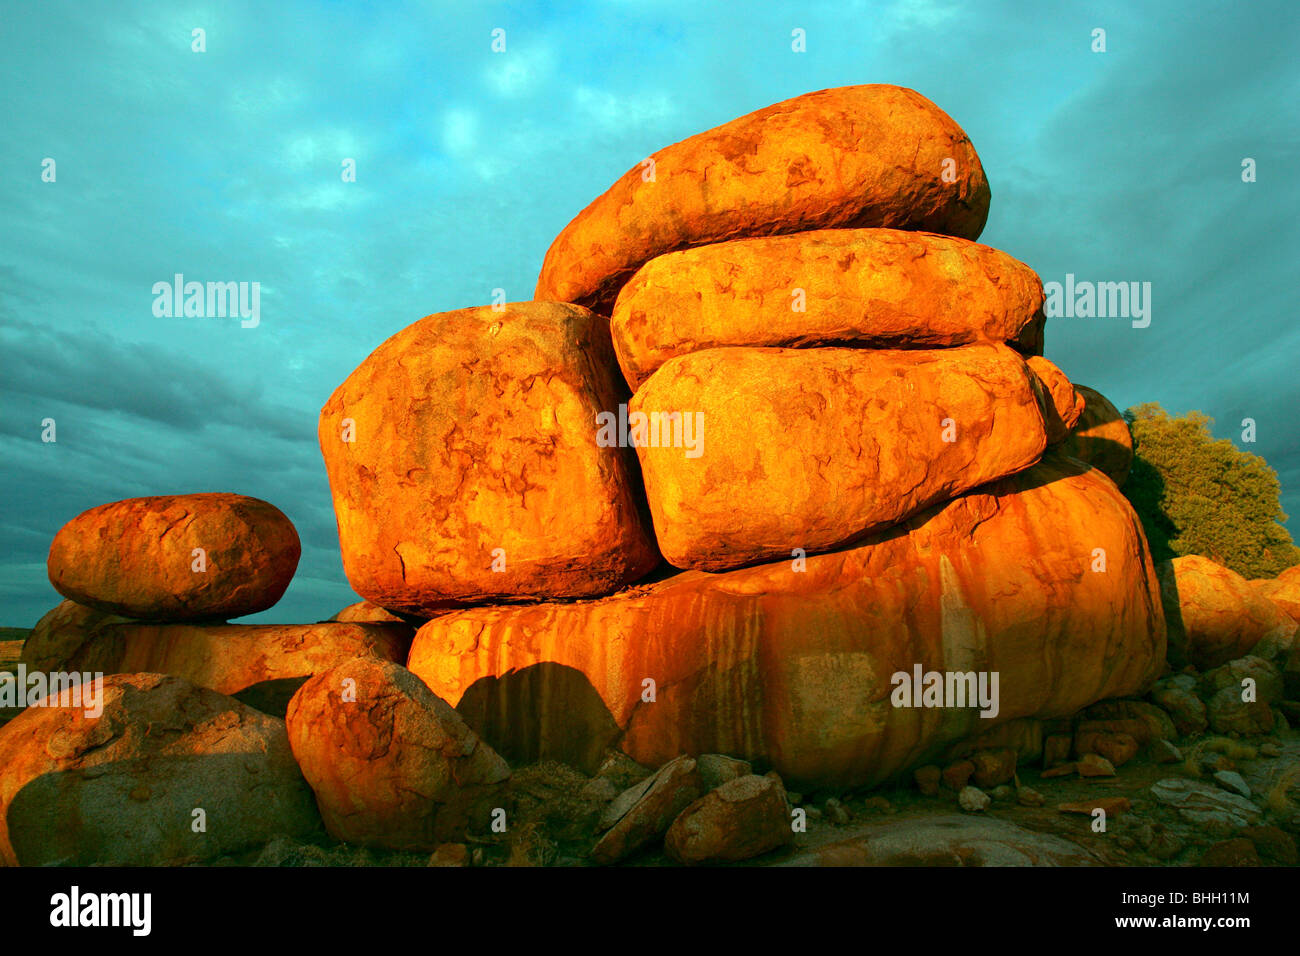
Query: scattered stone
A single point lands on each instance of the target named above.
(973, 800)
(1229, 714)
(1092, 765)
(743, 818)
(993, 767)
(121, 788)
(1218, 812)
(957, 775)
(1233, 782)
(836, 812)
(599, 790)
(1275, 846)
(1062, 770)
(928, 779)
(717, 769)
(391, 765)
(1003, 792)
(1267, 678)
(1117, 748)
(1029, 797)
(1112, 806)
(654, 805)
(1142, 719)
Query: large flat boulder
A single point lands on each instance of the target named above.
(463, 461)
(1044, 578)
(176, 557)
(1215, 616)
(855, 156)
(261, 665)
(827, 444)
(167, 773)
(878, 288)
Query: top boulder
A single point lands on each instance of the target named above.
(850, 157)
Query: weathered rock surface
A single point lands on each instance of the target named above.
(1284, 591)
(828, 444)
(364, 612)
(391, 765)
(1062, 405)
(474, 472)
(1176, 695)
(743, 818)
(954, 840)
(1217, 812)
(1214, 615)
(647, 810)
(1101, 437)
(125, 788)
(794, 668)
(260, 665)
(881, 288)
(176, 557)
(852, 157)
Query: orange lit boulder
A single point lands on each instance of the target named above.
(363, 612)
(1215, 616)
(1062, 405)
(176, 557)
(880, 288)
(1284, 591)
(795, 666)
(1101, 437)
(128, 786)
(261, 665)
(855, 156)
(391, 765)
(463, 461)
(812, 448)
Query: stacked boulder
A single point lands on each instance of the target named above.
(151, 582)
(850, 446)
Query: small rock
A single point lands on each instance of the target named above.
(836, 812)
(1176, 696)
(1029, 797)
(1093, 765)
(928, 779)
(1162, 751)
(993, 767)
(813, 813)
(957, 775)
(1117, 748)
(1063, 770)
(1232, 782)
(741, 819)
(1275, 846)
(1165, 846)
(1003, 792)
(717, 769)
(450, 854)
(1112, 806)
(1230, 714)
(973, 800)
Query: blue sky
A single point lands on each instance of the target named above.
(225, 166)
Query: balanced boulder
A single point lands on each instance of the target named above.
(856, 156)
(167, 773)
(1216, 616)
(261, 665)
(1101, 436)
(463, 459)
(176, 557)
(878, 288)
(1062, 406)
(799, 666)
(828, 444)
(391, 764)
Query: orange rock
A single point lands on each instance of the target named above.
(956, 775)
(1117, 748)
(741, 819)
(260, 665)
(363, 612)
(176, 557)
(856, 156)
(393, 766)
(1215, 615)
(1284, 591)
(1101, 437)
(827, 444)
(120, 788)
(882, 288)
(473, 472)
(794, 668)
(993, 767)
(1062, 406)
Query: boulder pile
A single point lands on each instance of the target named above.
(769, 486)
